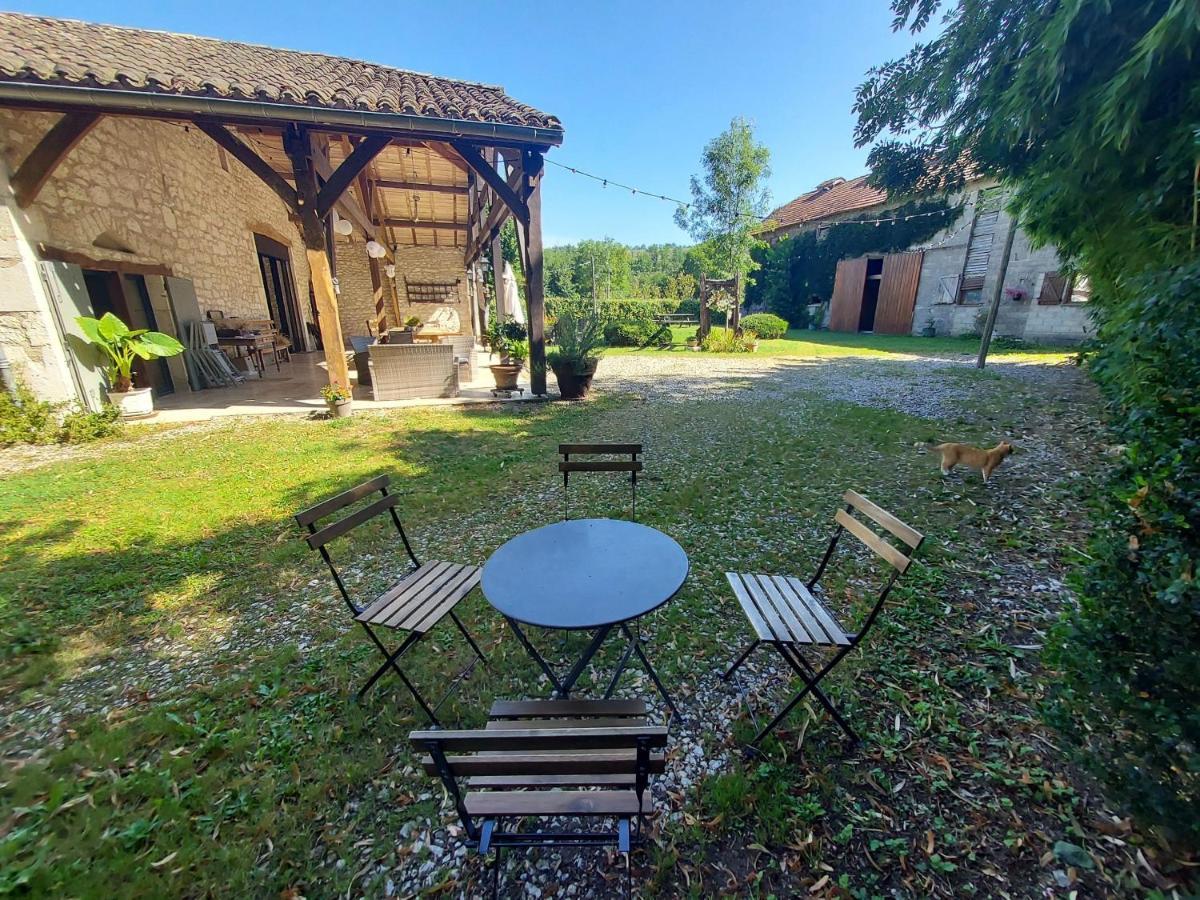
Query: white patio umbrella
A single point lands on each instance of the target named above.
(512, 308)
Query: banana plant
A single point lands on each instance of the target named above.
(123, 345)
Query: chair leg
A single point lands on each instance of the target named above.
(470, 640)
(496, 873)
(741, 659)
(390, 662)
(823, 699)
(809, 685)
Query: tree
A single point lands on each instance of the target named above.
(731, 200)
(1089, 111)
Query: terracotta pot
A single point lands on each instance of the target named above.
(573, 385)
(135, 403)
(506, 375)
(340, 409)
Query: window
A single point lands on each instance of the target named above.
(1081, 290)
(1058, 288)
(970, 291)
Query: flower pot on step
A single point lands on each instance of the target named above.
(572, 384)
(339, 409)
(506, 375)
(135, 403)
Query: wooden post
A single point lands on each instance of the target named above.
(312, 230)
(380, 324)
(534, 285)
(705, 317)
(985, 341)
(735, 315)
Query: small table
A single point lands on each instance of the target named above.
(254, 345)
(585, 575)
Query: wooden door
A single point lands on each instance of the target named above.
(68, 299)
(846, 304)
(898, 292)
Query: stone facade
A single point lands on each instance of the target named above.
(162, 191)
(1022, 318)
(944, 259)
(356, 297)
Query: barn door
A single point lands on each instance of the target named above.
(69, 299)
(898, 292)
(846, 304)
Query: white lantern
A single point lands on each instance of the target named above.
(391, 270)
(376, 250)
(342, 226)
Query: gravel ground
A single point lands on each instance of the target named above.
(430, 851)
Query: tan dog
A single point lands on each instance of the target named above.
(985, 461)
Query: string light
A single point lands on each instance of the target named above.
(605, 182)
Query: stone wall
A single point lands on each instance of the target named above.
(1023, 318)
(165, 193)
(28, 335)
(443, 264)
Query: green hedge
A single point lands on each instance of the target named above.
(628, 334)
(767, 326)
(611, 310)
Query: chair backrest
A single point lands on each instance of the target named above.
(527, 756)
(898, 558)
(632, 465)
(319, 536)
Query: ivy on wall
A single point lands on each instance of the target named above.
(798, 268)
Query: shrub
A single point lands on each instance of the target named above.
(1127, 693)
(610, 310)
(767, 326)
(24, 419)
(722, 340)
(629, 334)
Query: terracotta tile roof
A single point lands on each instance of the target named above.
(829, 199)
(41, 50)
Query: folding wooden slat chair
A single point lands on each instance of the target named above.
(786, 613)
(415, 604)
(567, 466)
(550, 759)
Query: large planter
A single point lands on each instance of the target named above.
(573, 385)
(340, 409)
(506, 375)
(135, 403)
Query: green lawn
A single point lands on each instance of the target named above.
(159, 582)
(829, 344)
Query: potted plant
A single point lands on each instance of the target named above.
(338, 399)
(576, 354)
(123, 346)
(412, 323)
(506, 339)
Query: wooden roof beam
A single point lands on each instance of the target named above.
(337, 183)
(435, 226)
(421, 187)
(489, 174)
(51, 150)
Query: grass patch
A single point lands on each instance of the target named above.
(163, 585)
(835, 345)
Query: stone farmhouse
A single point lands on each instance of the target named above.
(172, 179)
(945, 285)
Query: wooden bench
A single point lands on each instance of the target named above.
(580, 759)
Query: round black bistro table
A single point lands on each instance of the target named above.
(585, 575)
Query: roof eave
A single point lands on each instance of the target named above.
(186, 106)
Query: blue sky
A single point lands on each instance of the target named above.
(640, 87)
